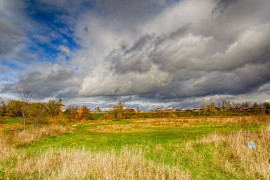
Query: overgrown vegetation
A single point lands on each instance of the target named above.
(158, 148)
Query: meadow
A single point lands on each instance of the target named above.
(214, 147)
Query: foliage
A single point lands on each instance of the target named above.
(204, 108)
(118, 111)
(73, 113)
(53, 108)
(37, 113)
(83, 112)
(14, 108)
(2, 107)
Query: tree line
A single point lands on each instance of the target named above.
(256, 108)
(39, 113)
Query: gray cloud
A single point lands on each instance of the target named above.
(155, 51)
(10, 37)
(50, 82)
(194, 60)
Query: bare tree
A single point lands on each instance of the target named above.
(25, 97)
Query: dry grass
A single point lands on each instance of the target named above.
(23, 137)
(5, 149)
(139, 125)
(81, 164)
(30, 135)
(230, 152)
(236, 156)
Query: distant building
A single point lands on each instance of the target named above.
(62, 107)
(158, 110)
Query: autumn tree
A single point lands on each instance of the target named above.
(84, 111)
(53, 108)
(73, 112)
(256, 108)
(2, 107)
(266, 107)
(14, 108)
(118, 111)
(37, 113)
(212, 107)
(204, 108)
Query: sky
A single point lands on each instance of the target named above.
(147, 53)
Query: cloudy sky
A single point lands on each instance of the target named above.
(148, 53)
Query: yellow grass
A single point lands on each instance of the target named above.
(30, 135)
(237, 156)
(81, 164)
(5, 149)
(138, 125)
(23, 137)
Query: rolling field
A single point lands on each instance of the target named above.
(178, 148)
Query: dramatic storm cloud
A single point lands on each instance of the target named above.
(147, 52)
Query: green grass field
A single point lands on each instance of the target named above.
(10, 121)
(184, 148)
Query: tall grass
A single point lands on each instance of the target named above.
(5, 148)
(81, 164)
(234, 155)
(25, 137)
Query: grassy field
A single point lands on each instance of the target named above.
(178, 148)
